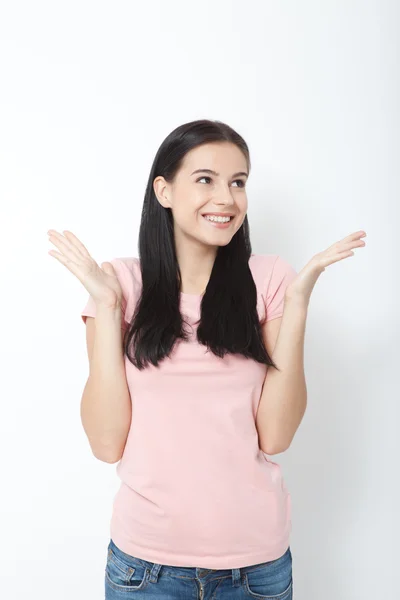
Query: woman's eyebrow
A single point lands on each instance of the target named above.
(217, 174)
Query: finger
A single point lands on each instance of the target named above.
(67, 243)
(71, 266)
(349, 245)
(58, 241)
(72, 238)
(354, 236)
(339, 256)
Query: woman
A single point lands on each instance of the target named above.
(179, 344)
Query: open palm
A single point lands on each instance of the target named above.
(100, 281)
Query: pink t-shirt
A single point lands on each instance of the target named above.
(196, 490)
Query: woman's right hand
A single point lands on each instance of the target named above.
(101, 282)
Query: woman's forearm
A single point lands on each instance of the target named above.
(106, 403)
(284, 395)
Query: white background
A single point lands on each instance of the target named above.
(88, 92)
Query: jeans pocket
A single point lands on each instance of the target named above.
(272, 580)
(125, 575)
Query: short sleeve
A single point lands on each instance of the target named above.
(281, 276)
(123, 271)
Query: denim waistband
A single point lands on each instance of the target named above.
(190, 572)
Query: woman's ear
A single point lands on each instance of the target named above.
(161, 190)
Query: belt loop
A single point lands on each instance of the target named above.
(236, 577)
(154, 571)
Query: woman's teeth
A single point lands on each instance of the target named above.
(217, 219)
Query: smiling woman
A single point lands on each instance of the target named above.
(178, 356)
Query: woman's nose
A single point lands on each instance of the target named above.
(224, 197)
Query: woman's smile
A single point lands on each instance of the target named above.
(221, 221)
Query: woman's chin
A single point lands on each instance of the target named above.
(217, 240)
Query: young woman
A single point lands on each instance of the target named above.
(180, 342)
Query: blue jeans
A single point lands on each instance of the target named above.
(129, 577)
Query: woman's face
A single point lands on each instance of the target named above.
(194, 194)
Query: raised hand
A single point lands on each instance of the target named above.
(303, 284)
(100, 281)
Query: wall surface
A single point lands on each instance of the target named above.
(88, 91)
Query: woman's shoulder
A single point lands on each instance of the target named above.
(127, 269)
(262, 266)
(268, 263)
(272, 274)
(128, 266)
(270, 270)
(261, 261)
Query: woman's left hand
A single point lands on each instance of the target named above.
(302, 286)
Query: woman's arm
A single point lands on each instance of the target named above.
(106, 406)
(284, 395)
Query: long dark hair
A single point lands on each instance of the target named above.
(229, 321)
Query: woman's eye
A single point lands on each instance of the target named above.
(242, 183)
